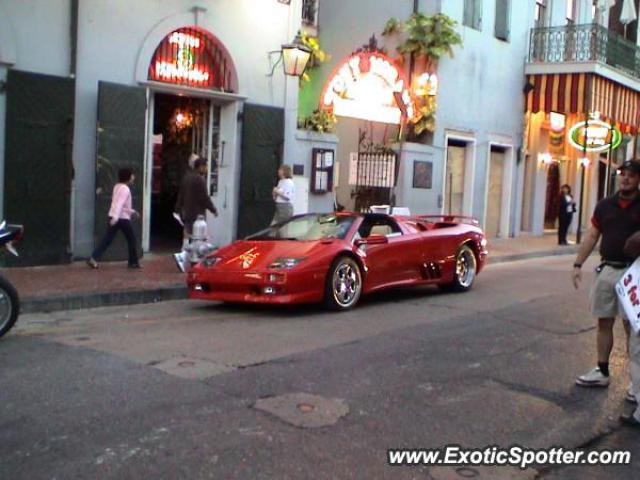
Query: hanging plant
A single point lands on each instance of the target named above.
(318, 56)
(432, 36)
(319, 121)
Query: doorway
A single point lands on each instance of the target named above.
(454, 178)
(183, 128)
(494, 193)
(552, 203)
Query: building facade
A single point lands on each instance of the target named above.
(582, 104)
(90, 86)
(469, 164)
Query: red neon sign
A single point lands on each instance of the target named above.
(368, 86)
(194, 58)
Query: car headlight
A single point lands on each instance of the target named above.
(286, 262)
(210, 261)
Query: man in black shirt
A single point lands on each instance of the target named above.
(615, 219)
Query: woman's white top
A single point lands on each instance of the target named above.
(288, 189)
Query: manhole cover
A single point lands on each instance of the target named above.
(306, 407)
(304, 410)
(186, 364)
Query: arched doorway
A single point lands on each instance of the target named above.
(187, 78)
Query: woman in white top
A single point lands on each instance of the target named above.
(284, 194)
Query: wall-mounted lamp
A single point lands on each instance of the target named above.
(585, 162)
(294, 57)
(545, 159)
(286, 2)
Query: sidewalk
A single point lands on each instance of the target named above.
(75, 286)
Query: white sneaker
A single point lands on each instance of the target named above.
(594, 378)
(630, 397)
(180, 260)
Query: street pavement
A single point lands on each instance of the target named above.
(191, 390)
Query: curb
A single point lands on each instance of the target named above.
(531, 255)
(179, 292)
(102, 299)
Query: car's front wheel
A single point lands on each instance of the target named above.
(344, 284)
(465, 273)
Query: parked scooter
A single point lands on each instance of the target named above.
(9, 300)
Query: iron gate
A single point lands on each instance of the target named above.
(376, 172)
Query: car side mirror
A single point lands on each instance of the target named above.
(372, 240)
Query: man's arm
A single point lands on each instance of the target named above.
(588, 244)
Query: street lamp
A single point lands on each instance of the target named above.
(295, 57)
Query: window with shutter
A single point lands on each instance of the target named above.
(472, 16)
(503, 16)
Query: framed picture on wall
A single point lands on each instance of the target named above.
(422, 174)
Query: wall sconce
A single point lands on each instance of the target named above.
(294, 57)
(545, 159)
(285, 2)
(585, 162)
(426, 84)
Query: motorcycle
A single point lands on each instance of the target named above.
(9, 300)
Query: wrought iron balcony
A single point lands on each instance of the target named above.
(584, 43)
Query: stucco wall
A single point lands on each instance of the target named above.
(111, 37)
(480, 88)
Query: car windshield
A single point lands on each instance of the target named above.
(307, 227)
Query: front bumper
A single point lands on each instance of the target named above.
(287, 287)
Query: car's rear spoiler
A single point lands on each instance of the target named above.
(449, 218)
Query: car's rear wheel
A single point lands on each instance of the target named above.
(344, 284)
(9, 306)
(465, 272)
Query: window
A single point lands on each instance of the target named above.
(310, 12)
(541, 13)
(503, 19)
(472, 14)
(571, 12)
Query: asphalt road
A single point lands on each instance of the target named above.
(170, 390)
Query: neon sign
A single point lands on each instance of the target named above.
(368, 86)
(193, 57)
(595, 136)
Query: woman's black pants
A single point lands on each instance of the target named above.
(126, 228)
(563, 227)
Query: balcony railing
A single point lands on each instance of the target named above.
(310, 12)
(584, 43)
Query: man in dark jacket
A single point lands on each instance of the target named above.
(193, 198)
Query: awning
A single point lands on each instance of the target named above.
(568, 93)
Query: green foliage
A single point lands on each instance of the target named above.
(430, 35)
(318, 56)
(319, 121)
(425, 120)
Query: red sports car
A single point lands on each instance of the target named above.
(335, 258)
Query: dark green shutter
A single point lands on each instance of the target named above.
(503, 16)
(38, 165)
(120, 144)
(262, 143)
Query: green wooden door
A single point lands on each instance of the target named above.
(38, 165)
(120, 144)
(262, 143)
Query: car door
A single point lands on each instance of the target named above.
(393, 262)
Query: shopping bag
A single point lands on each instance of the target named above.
(628, 290)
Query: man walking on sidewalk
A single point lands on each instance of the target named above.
(193, 198)
(614, 220)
